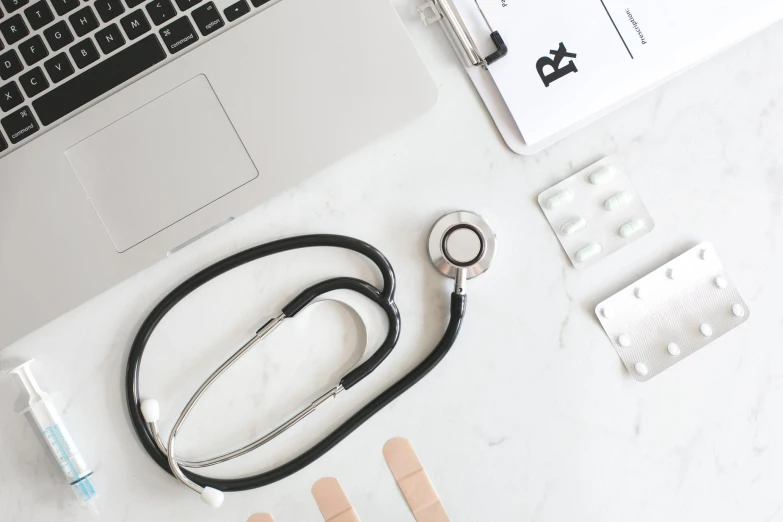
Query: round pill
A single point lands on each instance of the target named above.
(607, 312)
(602, 175)
(705, 329)
(641, 368)
(738, 310)
(640, 292)
(673, 349)
(623, 340)
(671, 274)
(704, 254)
(720, 282)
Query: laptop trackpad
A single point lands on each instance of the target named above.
(161, 163)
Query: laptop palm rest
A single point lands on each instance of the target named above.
(161, 163)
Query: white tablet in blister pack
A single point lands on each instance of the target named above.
(595, 212)
(672, 312)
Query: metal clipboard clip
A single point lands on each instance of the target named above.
(443, 11)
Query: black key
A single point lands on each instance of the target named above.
(13, 5)
(135, 24)
(58, 35)
(10, 96)
(160, 11)
(98, 80)
(83, 21)
(84, 53)
(39, 15)
(3, 144)
(14, 29)
(33, 82)
(10, 64)
(33, 50)
(110, 38)
(133, 3)
(236, 10)
(184, 5)
(65, 6)
(178, 35)
(59, 67)
(208, 19)
(258, 3)
(108, 9)
(19, 124)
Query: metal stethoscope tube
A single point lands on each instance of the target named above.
(461, 246)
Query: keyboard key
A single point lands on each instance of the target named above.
(33, 50)
(14, 29)
(135, 24)
(84, 53)
(33, 82)
(236, 10)
(3, 144)
(10, 64)
(10, 96)
(59, 67)
(38, 15)
(19, 124)
(133, 3)
(105, 76)
(258, 3)
(110, 38)
(13, 5)
(160, 11)
(83, 21)
(64, 6)
(208, 19)
(178, 35)
(184, 5)
(58, 35)
(108, 9)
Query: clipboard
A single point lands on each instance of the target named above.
(627, 41)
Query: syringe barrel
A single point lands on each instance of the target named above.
(64, 450)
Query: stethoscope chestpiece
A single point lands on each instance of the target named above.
(461, 244)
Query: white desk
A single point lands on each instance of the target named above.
(531, 417)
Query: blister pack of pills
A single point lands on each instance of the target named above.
(672, 312)
(596, 212)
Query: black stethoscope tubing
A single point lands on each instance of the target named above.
(384, 298)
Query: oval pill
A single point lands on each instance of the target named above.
(632, 227)
(607, 312)
(602, 175)
(673, 349)
(559, 199)
(573, 226)
(619, 199)
(640, 292)
(641, 368)
(623, 340)
(705, 329)
(721, 282)
(585, 253)
(738, 310)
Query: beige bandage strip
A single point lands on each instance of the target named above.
(332, 502)
(413, 481)
(261, 517)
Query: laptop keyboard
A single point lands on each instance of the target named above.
(56, 56)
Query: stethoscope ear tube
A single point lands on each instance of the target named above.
(384, 298)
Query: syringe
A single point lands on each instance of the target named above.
(58, 439)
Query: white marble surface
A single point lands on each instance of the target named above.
(531, 417)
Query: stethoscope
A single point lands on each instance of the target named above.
(461, 246)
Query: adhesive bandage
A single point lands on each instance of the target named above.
(595, 212)
(261, 517)
(672, 312)
(333, 502)
(413, 481)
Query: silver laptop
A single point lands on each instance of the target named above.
(130, 127)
